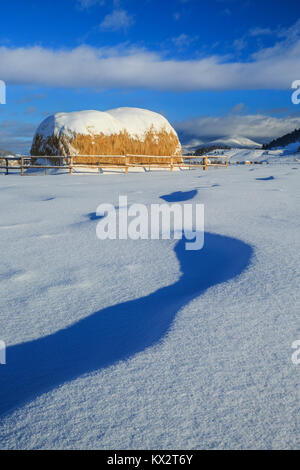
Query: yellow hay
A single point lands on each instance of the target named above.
(155, 144)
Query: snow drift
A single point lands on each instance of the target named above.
(115, 132)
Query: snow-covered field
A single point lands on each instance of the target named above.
(258, 155)
(141, 344)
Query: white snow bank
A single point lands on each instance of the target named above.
(290, 148)
(267, 156)
(241, 155)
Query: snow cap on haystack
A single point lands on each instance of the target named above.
(115, 132)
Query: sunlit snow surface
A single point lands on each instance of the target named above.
(186, 352)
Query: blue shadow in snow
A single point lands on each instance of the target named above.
(268, 178)
(93, 216)
(180, 196)
(118, 332)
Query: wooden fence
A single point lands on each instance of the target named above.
(69, 162)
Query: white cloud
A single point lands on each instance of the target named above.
(183, 40)
(239, 44)
(261, 32)
(258, 127)
(239, 108)
(270, 68)
(16, 136)
(290, 33)
(117, 20)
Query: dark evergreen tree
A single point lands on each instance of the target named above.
(284, 140)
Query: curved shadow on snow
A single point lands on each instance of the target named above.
(180, 196)
(118, 332)
(268, 178)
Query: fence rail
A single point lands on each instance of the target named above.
(70, 164)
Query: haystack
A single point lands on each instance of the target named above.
(122, 131)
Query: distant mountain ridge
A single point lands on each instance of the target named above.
(284, 141)
(230, 142)
(209, 148)
(4, 153)
(237, 142)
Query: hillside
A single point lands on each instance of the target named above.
(209, 148)
(286, 140)
(237, 142)
(234, 142)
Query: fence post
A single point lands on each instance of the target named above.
(6, 160)
(227, 158)
(172, 164)
(45, 166)
(205, 168)
(126, 163)
(71, 165)
(22, 166)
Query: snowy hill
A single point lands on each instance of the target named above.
(291, 148)
(243, 155)
(236, 142)
(289, 143)
(258, 155)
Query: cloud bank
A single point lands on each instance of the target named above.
(114, 68)
(16, 135)
(258, 127)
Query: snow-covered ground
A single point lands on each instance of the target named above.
(141, 344)
(258, 155)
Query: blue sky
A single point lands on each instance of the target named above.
(213, 68)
